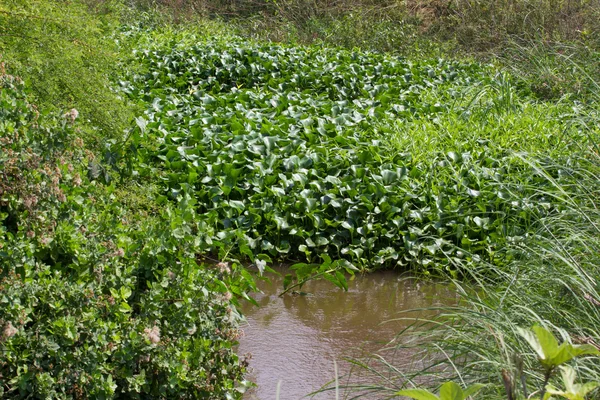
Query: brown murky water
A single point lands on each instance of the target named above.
(294, 340)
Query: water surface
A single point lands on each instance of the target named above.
(295, 339)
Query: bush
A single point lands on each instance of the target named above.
(67, 55)
(98, 300)
(65, 339)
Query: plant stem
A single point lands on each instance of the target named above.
(303, 281)
(547, 376)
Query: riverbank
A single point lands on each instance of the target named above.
(551, 46)
(137, 149)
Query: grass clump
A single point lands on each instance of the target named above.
(556, 284)
(67, 56)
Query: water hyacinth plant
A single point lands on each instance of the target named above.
(284, 148)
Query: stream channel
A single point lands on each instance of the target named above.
(295, 339)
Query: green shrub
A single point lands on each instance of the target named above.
(68, 56)
(98, 300)
(87, 339)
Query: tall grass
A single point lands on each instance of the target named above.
(69, 57)
(553, 281)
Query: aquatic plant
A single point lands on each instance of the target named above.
(286, 152)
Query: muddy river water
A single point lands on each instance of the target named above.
(295, 339)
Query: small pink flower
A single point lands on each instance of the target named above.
(61, 197)
(77, 180)
(30, 234)
(223, 267)
(120, 252)
(153, 335)
(98, 272)
(71, 115)
(9, 331)
(30, 201)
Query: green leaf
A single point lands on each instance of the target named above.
(451, 391)
(287, 280)
(573, 391)
(547, 341)
(453, 156)
(342, 280)
(567, 352)
(550, 353)
(388, 176)
(94, 170)
(533, 341)
(125, 292)
(303, 270)
(471, 390)
(141, 123)
(261, 264)
(417, 394)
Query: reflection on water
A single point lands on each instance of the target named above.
(294, 340)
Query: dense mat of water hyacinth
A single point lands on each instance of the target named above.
(284, 152)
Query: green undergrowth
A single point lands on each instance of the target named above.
(67, 54)
(100, 296)
(137, 150)
(554, 284)
(550, 45)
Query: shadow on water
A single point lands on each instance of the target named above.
(295, 339)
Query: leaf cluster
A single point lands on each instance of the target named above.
(277, 146)
(99, 298)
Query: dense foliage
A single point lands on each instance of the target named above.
(67, 55)
(554, 46)
(285, 150)
(122, 174)
(99, 298)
